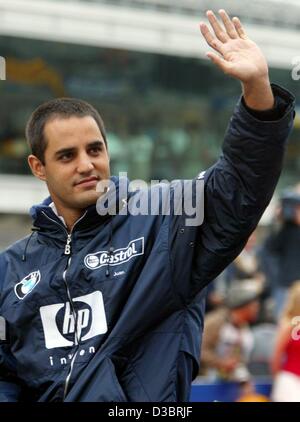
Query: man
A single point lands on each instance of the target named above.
(227, 337)
(110, 307)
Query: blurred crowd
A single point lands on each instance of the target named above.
(252, 324)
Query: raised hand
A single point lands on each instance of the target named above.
(239, 57)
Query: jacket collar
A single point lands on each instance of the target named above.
(46, 219)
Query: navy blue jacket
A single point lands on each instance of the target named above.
(114, 311)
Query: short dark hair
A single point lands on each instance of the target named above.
(61, 108)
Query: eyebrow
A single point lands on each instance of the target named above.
(92, 144)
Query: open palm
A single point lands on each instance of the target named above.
(238, 56)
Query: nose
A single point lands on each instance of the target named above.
(84, 164)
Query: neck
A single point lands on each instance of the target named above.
(70, 216)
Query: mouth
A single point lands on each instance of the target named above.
(88, 182)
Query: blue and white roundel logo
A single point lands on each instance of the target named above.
(26, 285)
(92, 261)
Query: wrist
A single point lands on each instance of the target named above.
(258, 94)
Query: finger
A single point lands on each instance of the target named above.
(219, 61)
(218, 30)
(210, 39)
(239, 28)
(229, 26)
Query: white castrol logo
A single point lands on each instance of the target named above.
(99, 259)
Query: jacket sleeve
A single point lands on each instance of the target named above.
(9, 384)
(237, 190)
(240, 185)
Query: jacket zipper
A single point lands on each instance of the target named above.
(76, 338)
(67, 381)
(68, 245)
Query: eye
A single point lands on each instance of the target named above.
(66, 156)
(95, 150)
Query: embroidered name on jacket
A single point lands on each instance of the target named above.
(101, 258)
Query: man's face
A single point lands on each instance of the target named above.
(76, 159)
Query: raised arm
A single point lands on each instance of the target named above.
(240, 185)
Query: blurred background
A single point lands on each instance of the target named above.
(142, 64)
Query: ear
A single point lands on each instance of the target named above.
(37, 167)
